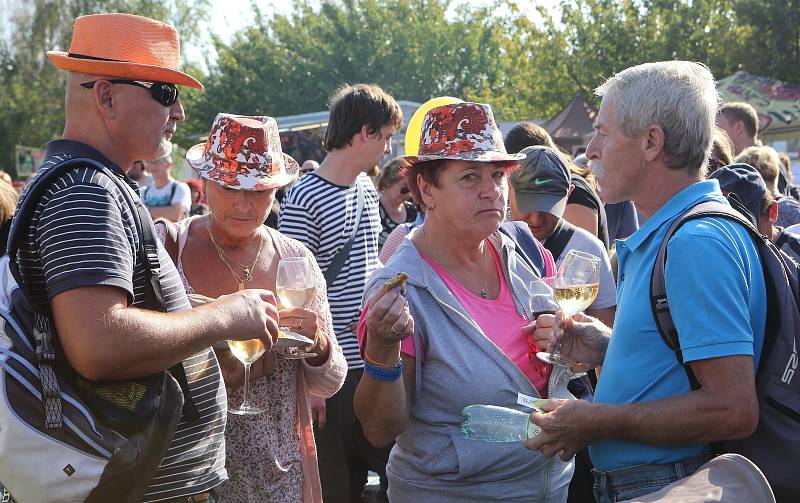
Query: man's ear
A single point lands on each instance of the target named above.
(653, 140)
(369, 135)
(103, 94)
(364, 133)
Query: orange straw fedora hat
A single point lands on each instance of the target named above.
(125, 46)
(244, 153)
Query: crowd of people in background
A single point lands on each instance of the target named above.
(474, 220)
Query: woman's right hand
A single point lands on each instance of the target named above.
(582, 337)
(389, 321)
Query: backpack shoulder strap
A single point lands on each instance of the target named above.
(171, 241)
(338, 260)
(147, 247)
(658, 291)
(558, 240)
(527, 246)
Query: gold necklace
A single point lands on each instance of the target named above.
(482, 292)
(229, 262)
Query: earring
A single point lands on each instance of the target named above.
(430, 208)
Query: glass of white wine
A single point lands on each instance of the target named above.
(247, 352)
(295, 288)
(575, 287)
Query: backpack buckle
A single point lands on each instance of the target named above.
(660, 303)
(151, 255)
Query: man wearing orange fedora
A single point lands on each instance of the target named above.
(81, 256)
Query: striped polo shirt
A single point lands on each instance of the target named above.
(321, 215)
(83, 233)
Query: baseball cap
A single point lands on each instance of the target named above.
(542, 181)
(744, 181)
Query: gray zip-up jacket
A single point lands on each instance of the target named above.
(432, 461)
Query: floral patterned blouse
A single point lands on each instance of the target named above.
(271, 457)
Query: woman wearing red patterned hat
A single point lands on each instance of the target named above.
(455, 336)
(270, 456)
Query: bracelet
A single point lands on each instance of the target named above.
(384, 374)
(376, 363)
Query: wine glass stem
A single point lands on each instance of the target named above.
(557, 347)
(245, 398)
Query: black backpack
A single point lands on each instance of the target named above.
(63, 438)
(775, 445)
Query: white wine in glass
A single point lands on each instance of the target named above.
(572, 299)
(295, 287)
(246, 351)
(575, 287)
(297, 296)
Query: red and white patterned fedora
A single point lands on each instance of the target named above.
(243, 152)
(461, 131)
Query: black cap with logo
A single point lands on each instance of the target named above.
(542, 181)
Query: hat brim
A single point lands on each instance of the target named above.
(122, 69)
(196, 159)
(485, 156)
(530, 202)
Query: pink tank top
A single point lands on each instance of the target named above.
(497, 318)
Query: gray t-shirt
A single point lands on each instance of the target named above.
(583, 240)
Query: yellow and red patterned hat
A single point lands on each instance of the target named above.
(244, 153)
(461, 131)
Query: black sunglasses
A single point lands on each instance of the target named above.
(164, 93)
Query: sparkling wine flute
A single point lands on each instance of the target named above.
(295, 288)
(575, 287)
(247, 352)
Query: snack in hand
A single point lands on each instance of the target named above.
(397, 280)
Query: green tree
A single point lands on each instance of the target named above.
(291, 64)
(32, 94)
(771, 33)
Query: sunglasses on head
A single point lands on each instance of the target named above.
(164, 93)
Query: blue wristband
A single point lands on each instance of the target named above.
(382, 373)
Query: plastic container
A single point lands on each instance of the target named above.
(491, 423)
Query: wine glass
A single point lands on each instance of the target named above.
(541, 300)
(295, 288)
(247, 352)
(575, 287)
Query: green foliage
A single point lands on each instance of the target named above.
(292, 64)
(525, 64)
(32, 92)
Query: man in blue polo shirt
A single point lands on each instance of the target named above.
(647, 428)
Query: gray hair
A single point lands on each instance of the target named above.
(678, 96)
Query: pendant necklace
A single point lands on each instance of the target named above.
(483, 292)
(247, 270)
